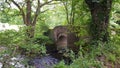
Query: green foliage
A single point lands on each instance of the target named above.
(31, 49)
(86, 63)
(114, 48)
(9, 37)
(89, 54)
(10, 16)
(53, 17)
(18, 42)
(60, 65)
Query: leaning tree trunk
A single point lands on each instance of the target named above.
(100, 12)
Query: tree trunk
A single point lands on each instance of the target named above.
(30, 21)
(100, 12)
(30, 31)
(30, 26)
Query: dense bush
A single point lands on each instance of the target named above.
(96, 56)
(18, 42)
(89, 54)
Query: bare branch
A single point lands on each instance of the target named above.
(36, 13)
(66, 10)
(18, 6)
(54, 3)
(23, 5)
(45, 3)
(38, 10)
(44, 11)
(7, 2)
(21, 10)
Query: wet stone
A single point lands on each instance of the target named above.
(44, 62)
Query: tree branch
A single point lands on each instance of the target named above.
(67, 14)
(28, 12)
(44, 11)
(6, 1)
(36, 13)
(21, 10)
(38, 10)
(45, 3)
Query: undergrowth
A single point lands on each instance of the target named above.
(92, 56)
(89, 55)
